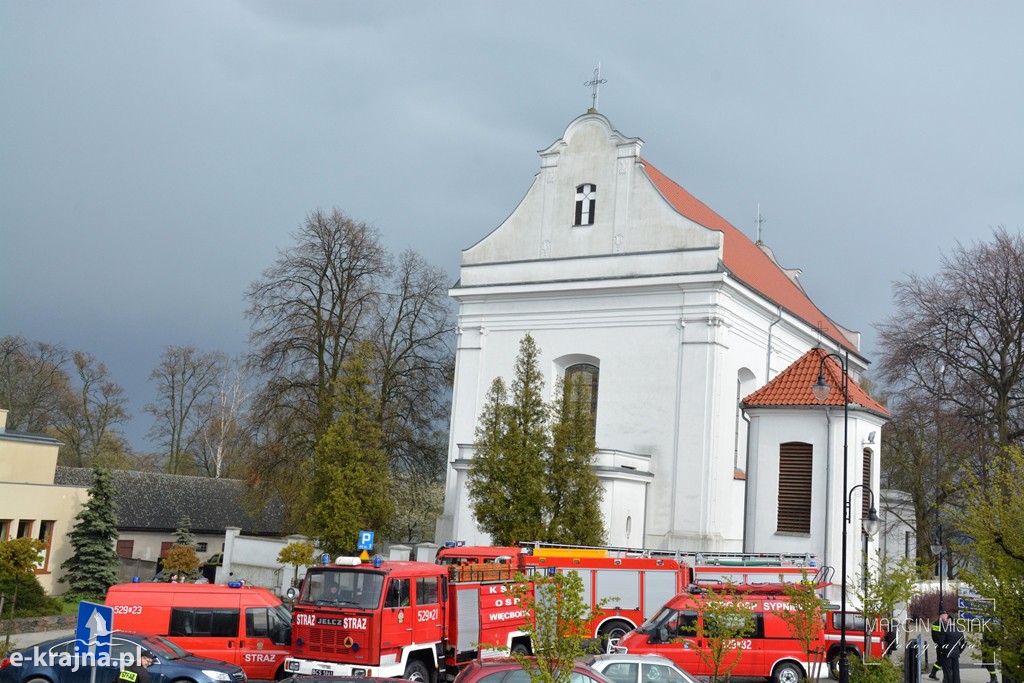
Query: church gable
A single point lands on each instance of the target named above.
(592, 199)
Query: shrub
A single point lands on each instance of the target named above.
(31, 600)
(876, 671)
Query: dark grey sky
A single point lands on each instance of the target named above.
(154, 157)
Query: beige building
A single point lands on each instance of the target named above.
(31, 504)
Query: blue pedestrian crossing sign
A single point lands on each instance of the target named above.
(92, 636)
(365, 540)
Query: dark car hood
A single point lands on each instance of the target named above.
(205, 661)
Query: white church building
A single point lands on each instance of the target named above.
(702, 350)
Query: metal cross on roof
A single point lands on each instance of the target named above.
(595, 83)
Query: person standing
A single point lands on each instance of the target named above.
(938, 639)
(137, 673)
(954, 641)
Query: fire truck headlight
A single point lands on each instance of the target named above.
(217, 675)
(358, 672)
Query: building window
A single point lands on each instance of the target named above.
(865, 496)
(125, 548)
(25, 528)
(744, 387)
(584, 377)
(586, 200)
(165, 546)
(795, 469)
(201, 547)
(46, 536)
(5, 529)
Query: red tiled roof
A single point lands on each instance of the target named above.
(792, 386)
(745, 260)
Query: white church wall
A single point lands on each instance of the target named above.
(642, 293)
(823, 430)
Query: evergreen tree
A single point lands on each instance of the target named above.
(507, 481)
(351, 479)
(92, 568)
(183, 534)
(573, 489)
(531, 477)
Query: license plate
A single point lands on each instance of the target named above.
(322, 672)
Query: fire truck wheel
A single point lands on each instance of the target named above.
(521, 649)
(415, 671)
(612, 631)
(833, 662)
(787, 672)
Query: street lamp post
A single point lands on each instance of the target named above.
(821, 389)
(869, 527)
(938, 550)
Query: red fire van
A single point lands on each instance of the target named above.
(242, 625)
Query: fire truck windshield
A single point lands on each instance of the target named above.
(662, 618)
(342, 587)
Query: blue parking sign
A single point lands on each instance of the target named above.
(95, 624)
(365, 540)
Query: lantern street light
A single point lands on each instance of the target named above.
(821, 389)
(938, 550)
(869, 527)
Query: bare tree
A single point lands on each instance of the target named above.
(223, 435)
(308, 310)
(335, 290)
(90, 416)
(958, 336)
(185, 379)
(954, 355)
(33, 383)
(415, 366)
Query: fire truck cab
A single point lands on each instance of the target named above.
(414, 620)
(770, 650)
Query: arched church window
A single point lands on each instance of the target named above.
(584, 377)
(796, 461)
(586, 201)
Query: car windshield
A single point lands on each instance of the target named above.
(164, 649)
(342, 587)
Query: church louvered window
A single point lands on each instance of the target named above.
(586, 202)
(795, 469)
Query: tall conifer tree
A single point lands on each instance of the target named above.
(92, 568)
(351, 479)
(518, 489)
(574, 490)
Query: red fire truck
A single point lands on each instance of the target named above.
(770, 650)
(629, 585)
(413, 620)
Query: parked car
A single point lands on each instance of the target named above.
(244, 626)
(628, 668)
(55, 661)
(502, 670)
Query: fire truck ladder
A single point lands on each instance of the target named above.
(699, 561)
